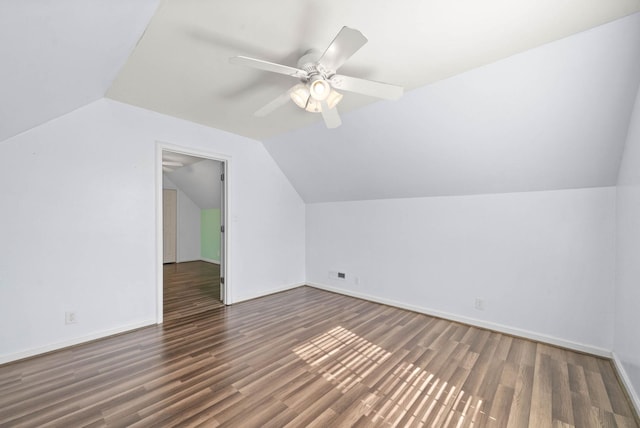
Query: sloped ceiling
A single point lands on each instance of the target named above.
(200, 181)
(501, 96)
(57, 56)
(181, 66)
(554, 117)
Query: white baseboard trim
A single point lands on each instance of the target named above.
(272, 291)
(601, 352)
(626, 381)
(215, 262)
(71, 342)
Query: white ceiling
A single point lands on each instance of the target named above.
(199, 179)
(181, 68)
(503, 95)
(56, 56)
(180, 159)
(553, 117)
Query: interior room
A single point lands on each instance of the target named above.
(415, 213)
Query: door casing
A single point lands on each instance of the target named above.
(169, 226)
(225, 213)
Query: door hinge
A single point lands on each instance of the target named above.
(221, 177)
(222, 228)
(222, 280)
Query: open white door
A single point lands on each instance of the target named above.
(223, 287)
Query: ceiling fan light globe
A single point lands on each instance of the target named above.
(314, 106)
(300, 95)
(319, 89)
(334, 98)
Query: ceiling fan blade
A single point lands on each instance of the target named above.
(345, 44)
(268, 66)
(367, 87)
(171, 163)
(330, 116)
(274, 104)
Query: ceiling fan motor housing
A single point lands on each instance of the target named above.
(309, 60)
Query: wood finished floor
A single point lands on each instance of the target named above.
(190, 288)
(309, 358)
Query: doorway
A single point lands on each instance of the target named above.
(192, 240)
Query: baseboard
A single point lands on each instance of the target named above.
(626, 381)
(601, 352)
(272, 291)
(201, 259)
(72, 342)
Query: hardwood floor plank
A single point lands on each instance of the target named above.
(617, 397)
(541, 396)
(561, 406)
(598, 391)
(326, 419)
(625, 421)
(307, 357)
(262, 411)
(223, 398)
(479, 369)
(500, 407)
(306, 414)
(521, 404)
(583, 414)
(504, 346)
(577, 379)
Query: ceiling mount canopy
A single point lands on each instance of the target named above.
(317, 72)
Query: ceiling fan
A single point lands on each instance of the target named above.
(170, 166)
(316, 91)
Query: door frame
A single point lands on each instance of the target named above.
(174, 208)
(227, 212)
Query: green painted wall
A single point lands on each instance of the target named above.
(210, 234)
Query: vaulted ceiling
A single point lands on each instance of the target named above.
(500, 96)
(181, 68)
(198, 178)
(550, 118)
(57, 56)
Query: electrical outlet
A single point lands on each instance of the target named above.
(337, 275)
(479, 304)
(70, 318)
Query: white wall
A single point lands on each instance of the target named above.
(626, 345)
(167, 183)
(542, 261)
(79, 223)
(188, 229)
(188, 224)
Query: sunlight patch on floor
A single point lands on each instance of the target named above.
(408, 393)
(342, 357)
